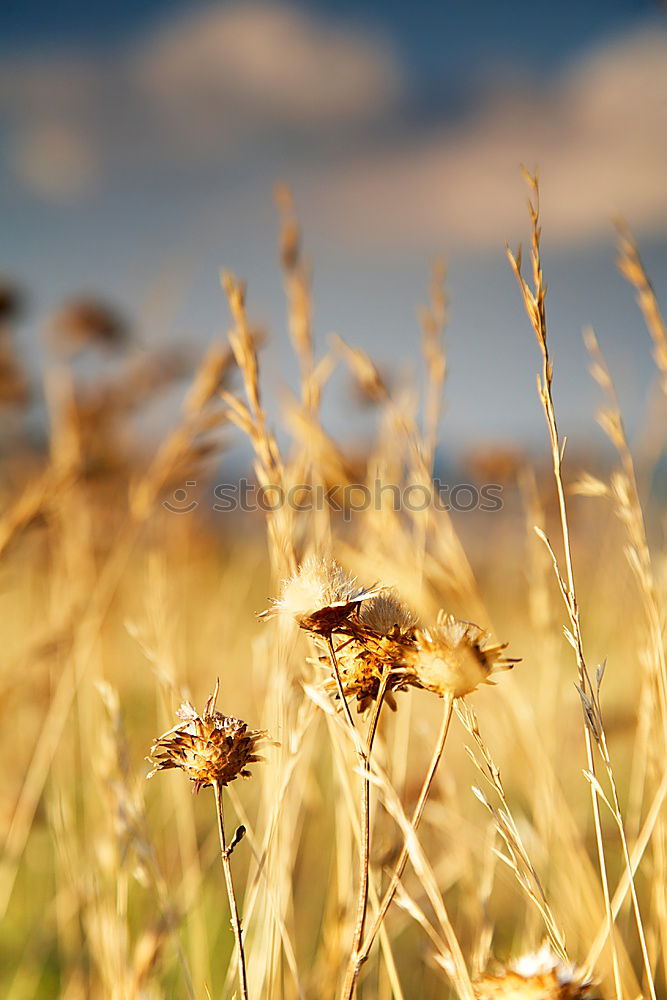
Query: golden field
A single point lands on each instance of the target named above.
(545, 819)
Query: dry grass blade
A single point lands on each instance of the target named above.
(517, 858)
(355, 666)
(631, 267)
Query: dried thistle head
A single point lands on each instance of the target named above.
(386, 614)
(14, 390)
(379, 641)
(320, 596)
(512, 986)
(84, 321)
(211, 748)
(538, 976)
(11, 302)
(455, 657)
(361, 669)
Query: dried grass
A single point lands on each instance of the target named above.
(110, 887)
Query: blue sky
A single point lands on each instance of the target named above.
(139, 143)
(471, 32)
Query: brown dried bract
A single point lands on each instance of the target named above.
(379, 641)
(320, 596)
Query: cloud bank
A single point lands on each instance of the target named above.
(264, 64)
(236, 82)
(598, 135)
(188, 94)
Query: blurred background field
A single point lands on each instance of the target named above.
(117, 599)
(139, 151)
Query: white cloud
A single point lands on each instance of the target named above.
(55, 161)
(220, 80)
(267, 62)
(598, 135)
(189, 92)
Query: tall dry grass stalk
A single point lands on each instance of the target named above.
(535, 303)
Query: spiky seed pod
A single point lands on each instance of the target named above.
(380, 639)
(320, 596)
(539, 976)
(361, 671)
(386, 614)
(211, 748)
(455, 657)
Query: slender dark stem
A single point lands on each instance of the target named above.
(351, 980)
(339, 683)
(236, 920)
(365, 823)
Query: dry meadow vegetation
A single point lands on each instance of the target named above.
(405, 829)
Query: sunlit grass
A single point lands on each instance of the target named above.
(115, 609)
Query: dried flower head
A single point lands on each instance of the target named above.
(455, 656)
(14, 389)
(538, 976)
(211, 748)
(387, 614)
(320, 596)
(13, 385)
(379, 642)
(84, 321)
(11, 302)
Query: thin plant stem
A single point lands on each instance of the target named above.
(534, 301)
(638, 851)
(341, 692)
(618, 816)
(632, 516)
(365, 824)
(390, 892)
(233, 906)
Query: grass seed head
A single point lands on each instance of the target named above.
(211, 748)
